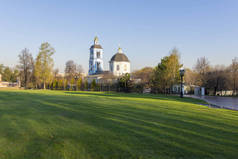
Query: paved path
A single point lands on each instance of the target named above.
(224, 102)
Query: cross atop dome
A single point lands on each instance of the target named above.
(96, 40)
(119, 50)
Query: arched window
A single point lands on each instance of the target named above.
(98, 66)
(91, 65)
(98, 55)
(111, 67)
(118, 67)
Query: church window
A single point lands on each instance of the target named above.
(111, 67)
(118, 67)
(91, 65)
(125, 67)
(98, 55)
(98, 66)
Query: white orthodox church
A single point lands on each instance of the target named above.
(118, 65)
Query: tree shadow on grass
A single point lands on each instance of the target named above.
(145, 96)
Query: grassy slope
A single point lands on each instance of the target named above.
(83, 125)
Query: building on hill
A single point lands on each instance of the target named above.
(118, 65)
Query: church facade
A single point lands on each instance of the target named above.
(118, 65)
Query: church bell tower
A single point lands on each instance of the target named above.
(96, 58)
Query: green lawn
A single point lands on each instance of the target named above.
(89, 125)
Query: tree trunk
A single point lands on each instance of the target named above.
(215, 91)
(234, 89)
(25, 81)
(44, 85)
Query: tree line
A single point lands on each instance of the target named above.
(39, 73)
(215, 79)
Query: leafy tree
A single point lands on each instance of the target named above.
(138, 87)
(10, 75)
(14, 75)
(7, 74)
(72, 83)
(79, 84)
(125, 83)
(1, 68)
(55, 84)
(65, 83)
(60, 84)
(55, 72)
(86, 85)
(166, 74)
(44, 64)
(160, 79)
(173, 67)
(26, 66)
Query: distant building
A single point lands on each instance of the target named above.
(9, 84)
(188, 89)
(118, 65)
(176, 89)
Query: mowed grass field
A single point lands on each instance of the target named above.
(95, 125)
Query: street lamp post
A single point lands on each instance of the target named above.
(181, 72)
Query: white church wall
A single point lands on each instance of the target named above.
(94, 60)
(95, 50)
(124, 67)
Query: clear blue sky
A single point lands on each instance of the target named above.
(145, 29)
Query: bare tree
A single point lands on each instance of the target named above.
(79, 69)
(202, 67)
(72, 69)
(144, 74)
(217, 79)
(190, 77)
(26, 66)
